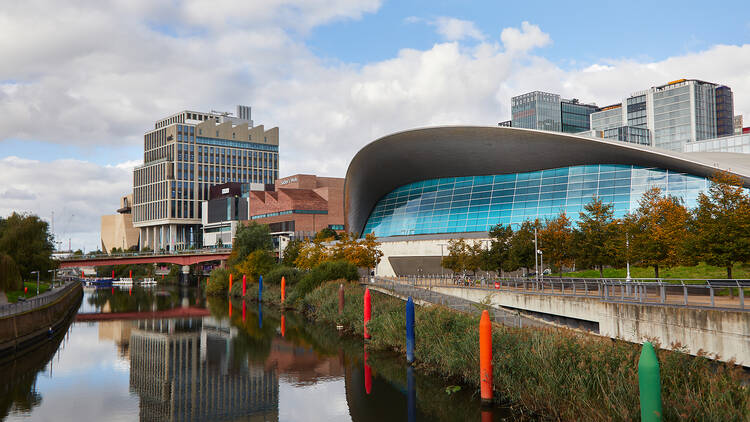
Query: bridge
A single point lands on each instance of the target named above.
(166, 314)
(180, 258)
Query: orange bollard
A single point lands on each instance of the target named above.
(368, 311)
(244, 285)
(283, 289)
(485, 357)
(283, 326)
(230, 310)
(230, 283)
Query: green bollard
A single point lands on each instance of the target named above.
(649, 384)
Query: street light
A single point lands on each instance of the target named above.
(441, 259)
(53, 278)
(627, 255)
(37, 281)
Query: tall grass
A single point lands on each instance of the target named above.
(551, 372)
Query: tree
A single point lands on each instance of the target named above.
(522, 248)
(291, 252)
(256, 264)
(658, 230)
(458, 252)
(498, 257)
(10, 278)
(327, 234)
(250, 238)
(597, 236)
(26, 239)
(721, 224)
(556, 238)
(311, 253)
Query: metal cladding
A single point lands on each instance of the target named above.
(430, 153)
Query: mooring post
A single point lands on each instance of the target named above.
(260, 289)
(283, 289)
(244, 285)
(341, 299)
(244, 305)
(649, 384)
(485, 357)
(368, 374)
(230, 283)
(368, 311)
(283, 326)
(410, 330)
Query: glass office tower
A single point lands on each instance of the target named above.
(575, 116)
(536, 110)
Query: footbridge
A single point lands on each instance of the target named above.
(699, 316)
(189, 257)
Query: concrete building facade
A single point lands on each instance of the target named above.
(117, 230)
(184, 155)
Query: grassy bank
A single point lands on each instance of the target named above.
(700, 271)
(13, 295)
(550, 372)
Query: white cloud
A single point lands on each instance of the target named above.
(452, 29)
(527, 38)
(100, 75)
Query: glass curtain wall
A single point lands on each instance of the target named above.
(475, 204)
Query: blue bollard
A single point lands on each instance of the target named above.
(409, 330)
(411, 391)
(260, 289)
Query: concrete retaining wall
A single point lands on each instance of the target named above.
(725, 334)
(25, 329)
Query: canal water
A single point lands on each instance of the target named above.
(193, 359)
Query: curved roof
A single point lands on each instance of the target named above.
(428, 153)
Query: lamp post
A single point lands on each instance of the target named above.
(627, 255)
(53, 278)
(441, 259)
(541, 259)
(37, 281)
(536, 259)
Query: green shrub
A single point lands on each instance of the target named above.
(291, 274)
(218, 282)
(326, 271)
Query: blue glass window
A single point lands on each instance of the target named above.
(468, 204)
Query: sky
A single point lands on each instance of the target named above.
(81, 82)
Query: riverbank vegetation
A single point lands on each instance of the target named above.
(555, 373)
(661, 233)
(25, 246)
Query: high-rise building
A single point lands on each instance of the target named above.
(184, 155)
(677, 113)
(546, 111)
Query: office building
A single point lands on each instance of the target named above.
(117, 230)
(546, 111)
(675, 114)
(184, 155)
(469, 179)
(225, 209)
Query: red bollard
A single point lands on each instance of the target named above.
(283, 326)
(283, 289)
(230, 310)
(243, 310)
(25, 290)
(244, 285)
(113, 273)
(130, 274)
(341, 299)
(485, 357)
(130, 291)
(113, 290)
(368, 311)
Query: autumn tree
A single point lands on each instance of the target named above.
(555, 239)
(256, 264)
(596, 238)
(250, 238)
(457, 257)
(657, 230)
(498, 256)
(721, 226)
(311, 253)
(522, 248)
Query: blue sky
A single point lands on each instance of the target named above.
(78, 91)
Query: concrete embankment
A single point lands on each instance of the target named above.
(721, 333)
(31, 327)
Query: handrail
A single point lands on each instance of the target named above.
(12, 309)
(696, 293)
(211, 251)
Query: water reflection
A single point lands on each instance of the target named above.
(260, 365)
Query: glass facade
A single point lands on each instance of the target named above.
(724, 111)
(734, 143)
(475, 204)
(680, 107)
(610, 117)
(575, 116)
(635, 135)
(536, 110)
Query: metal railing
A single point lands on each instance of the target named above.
(207, 251)
(700, 293)
(11, 309)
